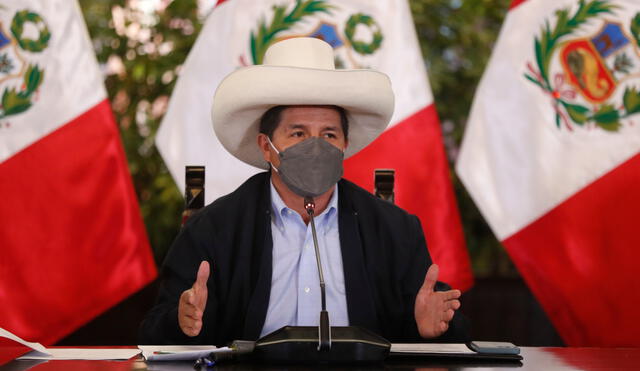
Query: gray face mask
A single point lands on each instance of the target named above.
(311, 167)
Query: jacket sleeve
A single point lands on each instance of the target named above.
(458, 331)
(160, 325)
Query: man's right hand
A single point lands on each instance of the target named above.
(193, 302)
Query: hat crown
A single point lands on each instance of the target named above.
(304, 52)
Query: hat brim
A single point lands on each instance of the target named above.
(246, 94)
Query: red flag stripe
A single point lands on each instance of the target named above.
(514, 3)
(77, 245)
(580, 260)
(414, 149)
(10, 350)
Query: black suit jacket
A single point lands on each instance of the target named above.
(384, 255)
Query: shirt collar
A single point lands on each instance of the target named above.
(279, 207)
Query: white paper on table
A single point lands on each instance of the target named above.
(93, 354)
(35, 346)
(40, 352)
(431, 348)
(178, 352)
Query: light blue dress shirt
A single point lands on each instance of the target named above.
(295, 286)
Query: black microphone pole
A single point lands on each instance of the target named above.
(324, 338)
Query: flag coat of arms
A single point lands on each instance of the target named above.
(551, 156)
(72, 242)
(364, 34)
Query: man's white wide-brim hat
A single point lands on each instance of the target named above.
(298, 71)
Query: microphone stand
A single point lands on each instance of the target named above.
(305, 344)
(324, 339)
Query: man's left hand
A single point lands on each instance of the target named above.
(434, 309)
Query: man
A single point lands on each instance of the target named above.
(251, 252)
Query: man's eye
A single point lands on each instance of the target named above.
(297, 134)
(330, 135)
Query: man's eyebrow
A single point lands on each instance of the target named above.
(330, 127)
(302, 126)
(295, 126)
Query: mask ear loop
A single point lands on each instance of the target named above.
(277, 152)
(272, 146)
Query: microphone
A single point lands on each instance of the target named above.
(305, 344)
(324, 340)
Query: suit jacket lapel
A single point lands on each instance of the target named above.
(262, 263)
(360, 303)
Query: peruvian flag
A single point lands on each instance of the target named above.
(364, 34)
(551, 156)
(72, 243)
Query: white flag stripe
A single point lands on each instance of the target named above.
(54, 103)
(514, 161)
(186, 135)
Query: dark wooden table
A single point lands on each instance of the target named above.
(533, 359)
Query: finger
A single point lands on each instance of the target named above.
(453, 304)
(192, 312)
(448, 315)
(452, 294)
(189, 297)
(187, 323)
(197, 326)
(444, 326)
(203, 275)
(192, 328)
(185, 297)
(431, 278)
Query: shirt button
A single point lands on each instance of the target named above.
(306, 289)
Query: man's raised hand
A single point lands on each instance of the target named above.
(434, 309)
(192, 303)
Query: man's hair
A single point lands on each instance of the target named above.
(270, 120)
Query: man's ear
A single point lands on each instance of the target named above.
(264, 146)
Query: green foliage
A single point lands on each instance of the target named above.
(607, 117)
(14, 102)
(631, 100)
(363, 47)
(32, 79)
(17, 28)
(266, 35)
(17, 101)
(578, 113)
